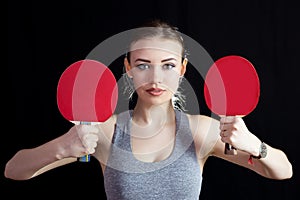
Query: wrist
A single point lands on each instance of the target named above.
(59, 147)
(255, 149)
(262, 153)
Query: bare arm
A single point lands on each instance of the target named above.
(275, 165)
(28, 163)
(234, 131)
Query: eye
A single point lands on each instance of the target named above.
(143, 66)
(168, 66)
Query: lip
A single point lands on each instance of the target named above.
(155, 91)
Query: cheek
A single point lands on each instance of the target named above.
(139, 80)
(172, 82)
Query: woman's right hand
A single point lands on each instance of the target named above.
(79, 141)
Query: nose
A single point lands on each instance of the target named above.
(156, 75)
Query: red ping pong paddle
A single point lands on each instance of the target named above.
(87, 92)
(231, 88)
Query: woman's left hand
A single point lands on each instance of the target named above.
(234, 131)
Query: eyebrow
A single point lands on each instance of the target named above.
(148, 61)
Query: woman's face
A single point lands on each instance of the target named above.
(156, 67)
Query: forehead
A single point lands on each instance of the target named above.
(156, 45)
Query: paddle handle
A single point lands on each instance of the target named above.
(85, 158)
(229, 149)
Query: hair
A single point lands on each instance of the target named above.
(158, 29)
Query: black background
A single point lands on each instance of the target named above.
(44, 37)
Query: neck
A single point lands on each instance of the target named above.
(145, 115)
(149, 121)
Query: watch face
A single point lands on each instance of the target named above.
(263, 150)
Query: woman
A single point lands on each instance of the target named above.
(156, 150)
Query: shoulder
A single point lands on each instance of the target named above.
(202, 122)
(106, 129)
(206, 133)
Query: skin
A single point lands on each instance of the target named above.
(155, 73)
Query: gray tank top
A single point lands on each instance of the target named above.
(176, 177)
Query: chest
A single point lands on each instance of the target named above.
(154, 143)
(177, 178)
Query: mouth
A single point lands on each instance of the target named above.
(155, 91)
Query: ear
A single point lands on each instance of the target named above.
(127, 67)
(183, 66)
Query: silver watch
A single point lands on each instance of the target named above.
(262, 151)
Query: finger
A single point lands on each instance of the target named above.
(91, 146)
(226, 127)
(90, 151)
(90, 143)
(222, 126)
(227, 119)
(223, 139)
(84, 131)
(89, 139)
(223, 134)
(89, 129)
